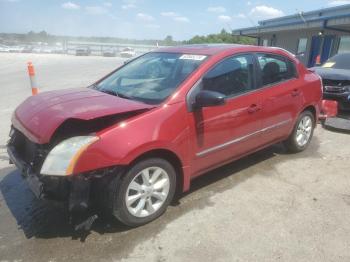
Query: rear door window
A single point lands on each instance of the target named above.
(275, 69)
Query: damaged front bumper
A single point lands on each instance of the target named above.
(79, 192)
(343, 99)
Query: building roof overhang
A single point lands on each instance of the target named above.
(331, 18)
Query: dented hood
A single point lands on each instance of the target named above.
(39, 116)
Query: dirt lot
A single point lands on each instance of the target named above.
(270, 206)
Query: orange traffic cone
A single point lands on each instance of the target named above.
(318, 60)
(32, 78)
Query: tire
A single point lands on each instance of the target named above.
(154, 196)
(294, 144)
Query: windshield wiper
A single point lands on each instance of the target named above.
(110, 92)
(115, 93)
(123, 96)
(93, 86)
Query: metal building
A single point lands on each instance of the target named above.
(312, 36)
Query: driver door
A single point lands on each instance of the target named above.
(222, 133)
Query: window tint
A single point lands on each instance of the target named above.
(232, 76)
(344, 45)
(275, 68)
(302, 45)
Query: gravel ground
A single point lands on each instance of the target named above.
(270, 206)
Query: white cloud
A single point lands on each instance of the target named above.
(169, 14)
(107, 4)
(152, 26)
(70, 6)
(181, 19)
(338, 2)
(175, 16)
(224, 18)
(265, 12)
(96, 10)
(145, 17)
(240, 16)
(128, 6)
(113, 17)
(216, 9)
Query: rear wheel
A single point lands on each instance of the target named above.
(302, 133)
(144, 192)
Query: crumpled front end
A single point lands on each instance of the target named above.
(53, 130)
(75, 190)
(338, 90)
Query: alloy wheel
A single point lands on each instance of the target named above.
(304, 131)
(147, 191)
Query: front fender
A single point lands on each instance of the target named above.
(163, 128)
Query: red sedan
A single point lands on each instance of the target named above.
(144, 131)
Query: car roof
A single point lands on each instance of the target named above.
(199, 49)
(214, 49)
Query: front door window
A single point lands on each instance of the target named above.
(231, 77)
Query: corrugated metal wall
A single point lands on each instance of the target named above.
(289, 40)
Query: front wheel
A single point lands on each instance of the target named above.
(302, 133)
(144, 192)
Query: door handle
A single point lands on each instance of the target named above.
(295, 92)
(253, 108)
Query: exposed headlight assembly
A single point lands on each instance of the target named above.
(62, 158)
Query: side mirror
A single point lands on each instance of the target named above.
(206, 98)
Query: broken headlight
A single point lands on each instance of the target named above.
(62, 158)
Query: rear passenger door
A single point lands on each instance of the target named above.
(282, 99)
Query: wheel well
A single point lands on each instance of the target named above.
(172, 158)
(312, 110)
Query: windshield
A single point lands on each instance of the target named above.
(152, 77)
(340, 61)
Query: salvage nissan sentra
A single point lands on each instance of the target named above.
(143, 132)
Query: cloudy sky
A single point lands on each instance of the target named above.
(144, 19)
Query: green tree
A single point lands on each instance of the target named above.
(168, 40)
(222, 37)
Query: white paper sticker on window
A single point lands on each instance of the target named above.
(193, 57)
